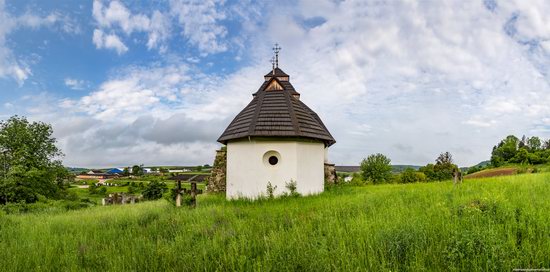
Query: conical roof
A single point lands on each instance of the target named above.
(276, 111)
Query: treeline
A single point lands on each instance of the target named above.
(377, 169)
(527, 150)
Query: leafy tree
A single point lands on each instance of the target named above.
(376, 168)
(442, 169)
(163, 170)
(137, 170)
(29, 161)
(444, 166)
(522, 156)
(534, 144)
(154, 190)
(429, 171)
(198, 168)
(125, 172)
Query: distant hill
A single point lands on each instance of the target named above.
(76, 169)
(482, 164)
(398, 168)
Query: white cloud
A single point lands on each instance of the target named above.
(115, 16)
(108, 41)
(408, 79)
(200, 23)
(75, 84)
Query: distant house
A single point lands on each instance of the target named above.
(97, 174)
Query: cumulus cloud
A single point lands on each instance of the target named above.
(200, 23)
(108, 41)
(404, 78)
(116, 17)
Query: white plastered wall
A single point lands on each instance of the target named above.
(248, 171)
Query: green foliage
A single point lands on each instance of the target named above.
(376, 168)
(134, 187)
(271, 190)
(125, 172)
(137, 170)
(292, 188)
(29, 165)
(525, 151)
(97, 190)
(154, 190)
(357, 180)
(443, 169)
(494, 224)
(411, 176)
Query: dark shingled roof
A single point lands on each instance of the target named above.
(277, 113)
(278, 72)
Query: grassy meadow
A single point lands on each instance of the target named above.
(492, 224)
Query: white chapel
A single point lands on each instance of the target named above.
(275, 139)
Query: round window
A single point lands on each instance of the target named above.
(273, 160)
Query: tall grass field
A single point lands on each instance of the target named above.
(493, 224)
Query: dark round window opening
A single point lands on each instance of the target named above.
(273, 160)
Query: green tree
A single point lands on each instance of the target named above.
(29, 161)
(198, 168)
(125, 172)
(506, 150)
(376, 168)
(429, 171)
(534, 144)
(154, 190)
(444, 166)
(137, 170)
(522, 156)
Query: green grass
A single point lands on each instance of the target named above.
(492, 224)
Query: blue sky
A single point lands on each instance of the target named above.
(156, 82)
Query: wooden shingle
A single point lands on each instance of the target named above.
(277, 113)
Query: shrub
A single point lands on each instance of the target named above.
(97, 190)
(292, 187)
(154, 190)
(271, 190)
(410, 176)
(376, 168)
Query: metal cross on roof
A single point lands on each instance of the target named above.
(276, 50)
(273, 64)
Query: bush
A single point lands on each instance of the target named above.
(97, 190)
(154, 190)
(271, 190)
(292, 187)
(376, 168)
(411, 176)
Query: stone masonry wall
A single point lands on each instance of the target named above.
(217, 180)
(330, 173)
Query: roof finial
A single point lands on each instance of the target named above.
(276, 50)
(273, 64)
